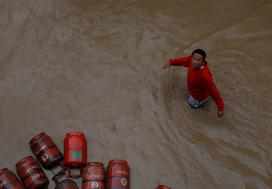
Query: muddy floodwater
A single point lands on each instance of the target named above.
(96, 67)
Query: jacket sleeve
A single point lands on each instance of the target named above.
(182, 61)
(213, 91)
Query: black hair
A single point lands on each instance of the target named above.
(201, 52)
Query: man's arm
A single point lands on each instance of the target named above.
(182, 61)
(214, 93)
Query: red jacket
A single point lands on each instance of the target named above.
(200, 81)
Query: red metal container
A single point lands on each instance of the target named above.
(31, 173)
(62, 182)
(163, 187)
(45, 151)
(118, 175)
(75, 153)
(93, 176)
(8, 180)
(67, 184)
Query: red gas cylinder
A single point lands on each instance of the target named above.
(31, 173)
(46, 151)
(93, 176)
(75, 153)
(8, 180)
(118, 175)
(163, 187)
(62, 182)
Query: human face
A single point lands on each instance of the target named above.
(197, 60)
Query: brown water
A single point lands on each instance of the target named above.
(95, 66)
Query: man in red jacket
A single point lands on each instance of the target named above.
(199, 80)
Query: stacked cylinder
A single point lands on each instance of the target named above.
(62, 182)
(8, 180)
(45, 151)
(67, 184)
(93, 176)
(31, 173)
(163, 187)
(118, 175)
(75, 153)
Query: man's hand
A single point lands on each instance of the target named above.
(166, 64)
(220, 113)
